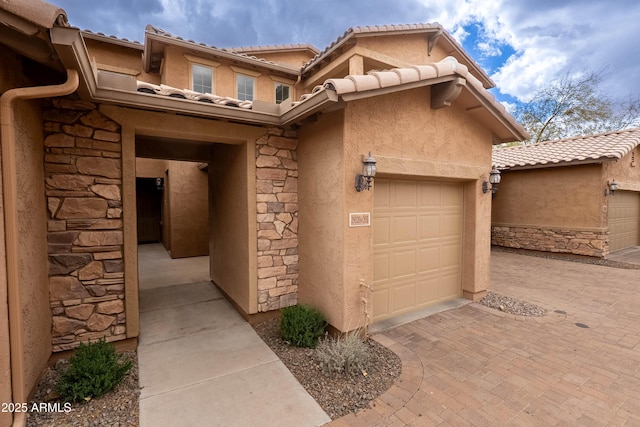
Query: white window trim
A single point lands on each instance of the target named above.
(193, 60)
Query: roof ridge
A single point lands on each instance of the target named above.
(111, 36)
(276, 46)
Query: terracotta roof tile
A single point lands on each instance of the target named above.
(272, 47)
(110, 38)
(173, 92)
(591, 149)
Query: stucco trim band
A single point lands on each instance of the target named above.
(424, 168)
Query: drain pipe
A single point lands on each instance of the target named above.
(9, 178)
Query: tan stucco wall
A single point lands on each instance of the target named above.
(321, 204)
(232, 245)
(626, 171)
(119, 59)
(32, 214)
(409, 140)
(411, 48)
(176, 73)
(151, 168)
(569, 197)
(32, 241)
(189, 211)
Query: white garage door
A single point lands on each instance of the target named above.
(417, 239)
(624, 220)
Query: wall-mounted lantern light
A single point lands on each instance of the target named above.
(160, 184)
(613, 187)
(364, 180)
(494, 180)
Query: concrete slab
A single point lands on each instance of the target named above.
(157, 269)
(629, 255)
(266, 395)
(196, 358)
(177, 295)
(175, 322)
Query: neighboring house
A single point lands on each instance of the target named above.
(283, 131)
(555, 196)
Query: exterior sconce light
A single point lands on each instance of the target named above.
(159, 184)
(494, 180)
(613, 187)
(364, 180)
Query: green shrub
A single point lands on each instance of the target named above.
(346, 354)
(301, 325)
(93, 370)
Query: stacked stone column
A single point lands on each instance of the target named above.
(83, 175)
(277, 207)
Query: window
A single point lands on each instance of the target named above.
(245, 87)
(201, 78)
(283, 92)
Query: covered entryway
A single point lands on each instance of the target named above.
(417, 244)
(624, 220)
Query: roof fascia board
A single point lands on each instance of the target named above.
(322, 101)
(208, 50)
(488, 104)
(559, 164)
(111, 40)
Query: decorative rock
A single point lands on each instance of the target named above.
(78, 130)
(99, 322)
(99, 238)
(92, 271)
(114, 213)
(93, 224)
(59, 140)
(111, 192)
(65, 326)
(106, 136)
(52, 205)
(69, 182)
(97, 120)
(80, 312)
(82, 208)
(110, 168)
(110, 307)
(66, 288)
(114, 266)
(66, 263)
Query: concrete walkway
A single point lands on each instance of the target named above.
(200, 362)
(474, 366)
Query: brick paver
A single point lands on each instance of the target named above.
(477, 366)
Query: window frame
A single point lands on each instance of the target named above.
(192, 77)
(283, 84)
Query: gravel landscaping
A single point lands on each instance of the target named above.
(337, 395)
(118, 408)
(511, 305)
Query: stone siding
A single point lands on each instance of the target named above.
(591, 243)
(83, 175)
(277, 208)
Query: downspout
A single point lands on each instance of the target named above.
(7, 138)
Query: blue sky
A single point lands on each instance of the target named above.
(521, 44)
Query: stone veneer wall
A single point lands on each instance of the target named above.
(277, 208)
(591, 243)
(83, 177)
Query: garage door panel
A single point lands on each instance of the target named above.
(624, 220)
(429, 226)
(381, 231)
(403, 194)
(428, 259)
(403, 264)
(403, 297)
(419, 251)
(404, 229)
(382, 198)
(381, 267)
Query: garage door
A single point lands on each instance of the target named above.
(624, 220)
(417, 239)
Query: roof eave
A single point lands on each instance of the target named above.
(555, 165)
(151, 37)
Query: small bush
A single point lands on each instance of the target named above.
(346, 354)
(301, 325)
(93, 370)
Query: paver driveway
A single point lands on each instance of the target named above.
(476, 366)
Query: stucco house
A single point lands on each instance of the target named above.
(282, 133)
(578, 195)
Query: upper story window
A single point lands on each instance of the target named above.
(283, 91)
(201, 78)
(245, 85)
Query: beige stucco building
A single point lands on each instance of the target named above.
(279, 132)
(556, 196)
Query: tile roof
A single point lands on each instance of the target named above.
(400, 28)
(150, 29)
(173, 92)
(111, 39)
(274, 47)
(563, 152)
(37, 12)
